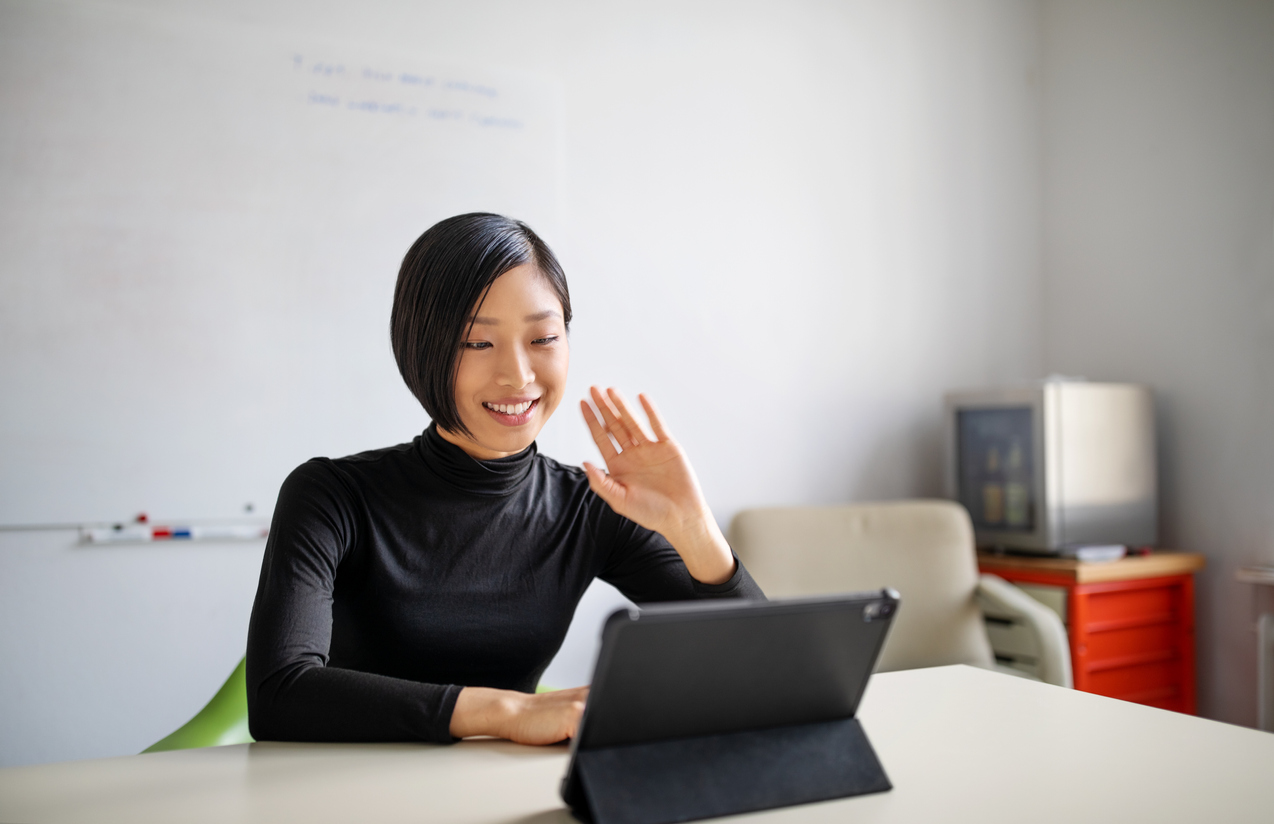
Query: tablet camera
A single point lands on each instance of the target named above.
(872, 612)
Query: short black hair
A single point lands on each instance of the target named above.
(444, 275)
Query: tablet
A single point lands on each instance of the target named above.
(694, 670)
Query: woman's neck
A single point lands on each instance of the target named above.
(472, 448)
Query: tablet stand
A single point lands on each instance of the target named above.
(687, 778)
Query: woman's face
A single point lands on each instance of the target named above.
(513, 365)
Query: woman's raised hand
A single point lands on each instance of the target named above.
(649, 480)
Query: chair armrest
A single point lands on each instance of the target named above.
(999, 598)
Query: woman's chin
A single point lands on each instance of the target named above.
(492, 441)
(508, 444)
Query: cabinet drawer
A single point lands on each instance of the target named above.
(1128, 606)
(1156, 679)
(1131, 641)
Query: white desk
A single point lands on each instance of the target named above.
(959, 744)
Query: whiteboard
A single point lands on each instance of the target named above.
(200, 230)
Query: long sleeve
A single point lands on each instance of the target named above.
(646, 568)
(292, 692)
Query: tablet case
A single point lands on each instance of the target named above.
(710, 710)
(739, 772)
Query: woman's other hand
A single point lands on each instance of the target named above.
(649, 480)
(543, 718)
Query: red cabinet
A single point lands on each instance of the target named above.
(1130, 622)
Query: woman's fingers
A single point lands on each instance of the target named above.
(656, 422)
(604, 406)
(617, 428)
(568, 706)
(549, 717)
(611, 415)
(598, 431)
(634, 429)
(605, 486)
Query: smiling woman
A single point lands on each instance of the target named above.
(418, 592)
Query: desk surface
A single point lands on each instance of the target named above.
(959, 744)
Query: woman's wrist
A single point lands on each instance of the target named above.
(484, 711)
(704, 550)
(544, 718)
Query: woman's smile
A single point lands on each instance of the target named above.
(512, 412)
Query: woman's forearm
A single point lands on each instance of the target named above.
(704, 549)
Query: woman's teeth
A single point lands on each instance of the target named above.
(509, 408)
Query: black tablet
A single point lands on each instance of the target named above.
(704, 671)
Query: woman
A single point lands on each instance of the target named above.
(418, 592)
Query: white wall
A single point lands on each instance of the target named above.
(1159, 267)
(795, 224)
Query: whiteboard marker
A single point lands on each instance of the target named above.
(140, 533)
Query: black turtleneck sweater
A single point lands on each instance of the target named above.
(394, 578)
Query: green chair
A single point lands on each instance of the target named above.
(223, 721)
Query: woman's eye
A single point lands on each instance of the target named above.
(549, 339)
(477, 344)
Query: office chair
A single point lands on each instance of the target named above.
(923, 549)
(223, 721)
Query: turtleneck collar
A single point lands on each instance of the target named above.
(455, 466)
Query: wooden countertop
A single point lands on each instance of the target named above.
(1158, 563)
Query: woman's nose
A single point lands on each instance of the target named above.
(515, 369)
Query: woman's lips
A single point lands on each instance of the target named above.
(518, 414)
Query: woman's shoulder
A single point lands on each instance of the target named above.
(567, 487)
(359, 460)
(353, 472)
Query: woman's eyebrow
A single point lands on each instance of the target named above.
(547, 313)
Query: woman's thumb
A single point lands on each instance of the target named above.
(603, 484)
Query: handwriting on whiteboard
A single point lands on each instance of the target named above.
(385, 91)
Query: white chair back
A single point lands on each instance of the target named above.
(924, 549)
